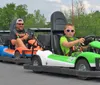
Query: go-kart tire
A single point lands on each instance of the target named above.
(17, 57)
(82, 65)
(36, 61)
(1, 60)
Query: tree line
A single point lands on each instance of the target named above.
(84, 23)
(11, 12)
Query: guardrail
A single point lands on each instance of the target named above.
(30, 29)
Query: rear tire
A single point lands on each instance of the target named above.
(82, 65)
(17, 57)
(36, 61)
(1, 60)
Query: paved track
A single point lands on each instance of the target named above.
(11, 74)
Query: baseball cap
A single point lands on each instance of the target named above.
(19, 20)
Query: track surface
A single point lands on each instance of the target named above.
(11, 74)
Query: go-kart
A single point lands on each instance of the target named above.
(85, 64)
(19, 55)
(9, 53)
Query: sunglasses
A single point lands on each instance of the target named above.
(70, 30)
(20, 24)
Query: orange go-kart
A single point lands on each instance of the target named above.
(18, 55)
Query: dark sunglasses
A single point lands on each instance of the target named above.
(70, 30)
(20, 24)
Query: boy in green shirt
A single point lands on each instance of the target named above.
(68, 40)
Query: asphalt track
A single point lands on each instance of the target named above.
(11, 74)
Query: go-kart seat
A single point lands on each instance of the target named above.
(12, 27)
(44, 41)
(58, 22)
(57, 48)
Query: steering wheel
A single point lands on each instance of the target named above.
(89, 39)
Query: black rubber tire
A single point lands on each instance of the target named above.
(36, 61)
(86, 67)
(17, 57)
(1, 60)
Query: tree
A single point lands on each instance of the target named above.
(85, 23)
(21, 11)
(6, 15)
(79, 8)
(10, 12)
(40, 20)
(36, 20)
(29, 21)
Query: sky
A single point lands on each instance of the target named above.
(47, 7)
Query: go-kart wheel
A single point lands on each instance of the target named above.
(82, 65)
(17, 57)
(36, 61)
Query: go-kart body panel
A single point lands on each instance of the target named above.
(65, 64)
(50, 59)
(95, 44)
(7, 52)
(90, 57)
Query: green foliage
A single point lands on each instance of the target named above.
(36, 20)
(21, 11)
(87, 24)
(6, 15)
(11, 12)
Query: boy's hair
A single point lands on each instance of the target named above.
(68, 25)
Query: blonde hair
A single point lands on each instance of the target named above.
(69, 25)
